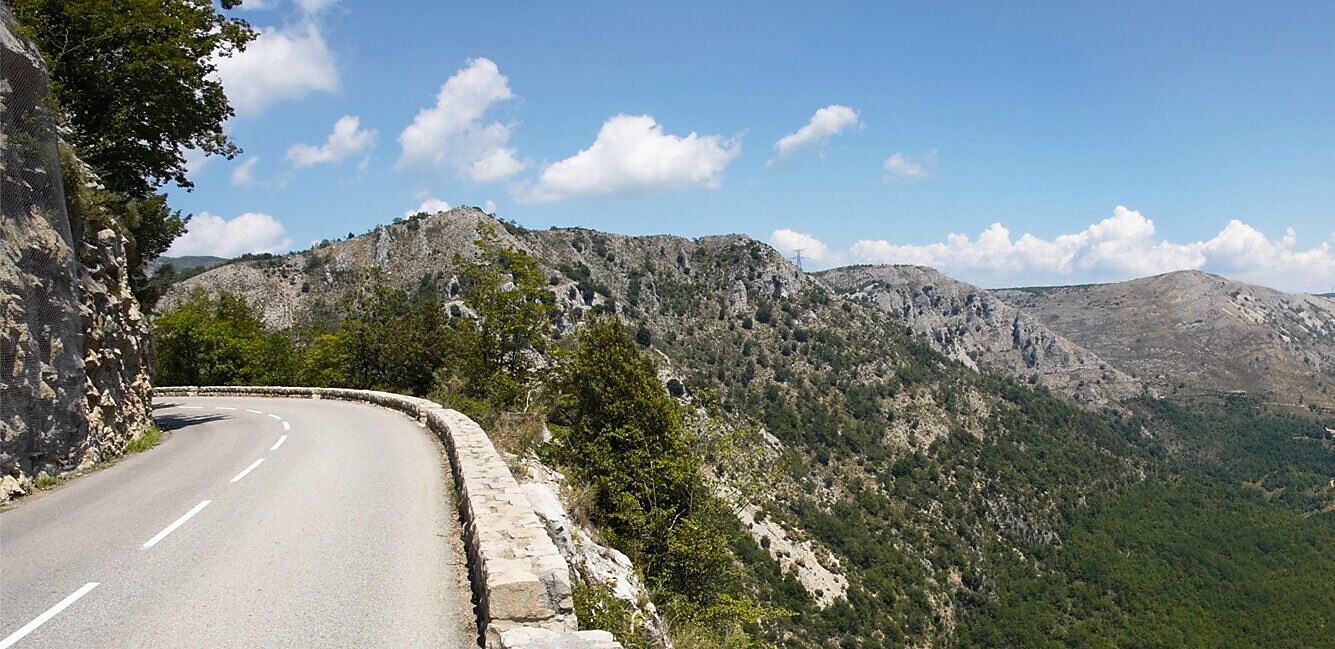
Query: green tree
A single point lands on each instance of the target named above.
(134, 81)
(495, 353)
(620, 432)
(207, 341)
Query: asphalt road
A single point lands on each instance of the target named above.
(256, 523)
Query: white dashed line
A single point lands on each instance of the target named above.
(179, 522)
(278, 443)
(254, 412)
(276, 417)
(50, 613)
(192, 407)
(223, 408)
(248, 470)
(287, 426)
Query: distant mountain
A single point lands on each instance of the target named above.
(1328, 295)
(978, 329)
(1190, 333)
(186, 263)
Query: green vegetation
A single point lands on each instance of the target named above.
(134, 84)
(620, 432)
(146, 439)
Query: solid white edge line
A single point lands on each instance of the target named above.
(287, 426)
(50, 613)
(278, 443)
(248, 470)
(255, 412)
(276, 417)
(179, 522)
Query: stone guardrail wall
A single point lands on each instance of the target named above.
(520, 581)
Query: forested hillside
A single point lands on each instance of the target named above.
(963, 508)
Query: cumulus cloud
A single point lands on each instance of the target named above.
(347, 139)
(825, 124)
(901, 166)
(632, 155)
(792, 242)
(430, 206)
(244, 174)
(453, 135)
(490, 207)
(279, 64)
(1122, 246)
(209, 234)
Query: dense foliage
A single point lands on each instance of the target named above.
(135, 81)
(622, 434)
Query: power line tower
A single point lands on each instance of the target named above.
(797, 257)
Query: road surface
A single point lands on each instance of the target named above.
(256, 523)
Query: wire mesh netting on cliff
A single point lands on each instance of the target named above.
(41, 336)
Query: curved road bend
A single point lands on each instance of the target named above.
(257, 522)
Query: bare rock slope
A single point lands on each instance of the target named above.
(1190, 332)
(978, 329)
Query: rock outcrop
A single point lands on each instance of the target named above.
(119, 389)
(42, 409)
(981, 331)
(1192, 333)
(74, 383)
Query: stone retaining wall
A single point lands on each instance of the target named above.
(520, 582)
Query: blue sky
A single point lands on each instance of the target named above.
(1123, 138)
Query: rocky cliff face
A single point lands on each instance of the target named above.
(118, 389)
(1194, 333)
(972, 326)
(42, 412)
(73, 384)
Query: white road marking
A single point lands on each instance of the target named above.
(179, 522)
(50, 613)
(192, 407)
(256, 412)
(278, 443)
(287, 426)
(223, 408)
(248, 469)
(276, 417)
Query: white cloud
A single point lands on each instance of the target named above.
(901, 166)
(314, 6)
(490, 207)
(195, 161)
(430, 206)
(1120, 247)
(451, 134)
(209, 234)
(825, 124)
(347, 139)
(279, 64)
(244, 174)
(791, 242)
(632, 155)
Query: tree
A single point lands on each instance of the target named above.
(207, 341)
(497, 350)
(621, 433)
(134, 82)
